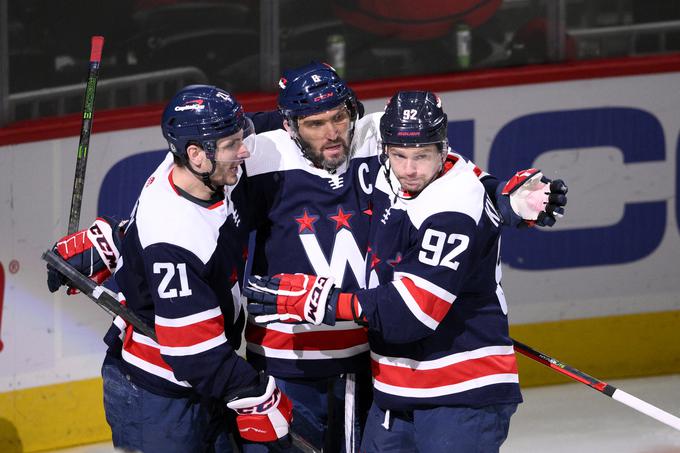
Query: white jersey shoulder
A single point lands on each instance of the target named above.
(366, 140)
(163, 216)
(275, 151)
(458, 190)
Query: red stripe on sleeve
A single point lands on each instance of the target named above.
(191, 334)
(434, 306)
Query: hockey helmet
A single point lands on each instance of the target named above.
(201, 114)
(414, 118)
(311, 89)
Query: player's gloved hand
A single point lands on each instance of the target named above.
(93, 252)
(529, 199)
(263, 412)
(292, 298)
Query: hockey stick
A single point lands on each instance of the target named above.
(101, 296)
(97, 293)
(303, 445)
(84, 143)
(600, 386)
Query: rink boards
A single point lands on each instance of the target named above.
(601, 291)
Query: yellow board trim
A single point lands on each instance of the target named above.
(53, 416)
(610, 347)
(69, 414)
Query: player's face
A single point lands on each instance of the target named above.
(415, 167)
(229, 155)
(327, 137)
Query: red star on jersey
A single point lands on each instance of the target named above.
(306, 222)
(369, 210)
(233, 278)
(341, 219)
(374, 261)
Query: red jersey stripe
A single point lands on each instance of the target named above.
(306, 341)
(191, 334)
(452, 374)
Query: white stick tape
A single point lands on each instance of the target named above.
(647, 409)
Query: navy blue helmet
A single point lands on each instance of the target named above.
(311, 89)
(414, 118)
(200, 114)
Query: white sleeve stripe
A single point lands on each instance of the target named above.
(413, 305)
(153, 369)
(120, 323)
(444, 361)
(188, 320)
(143, 339)
(427, 286)
(194, 349)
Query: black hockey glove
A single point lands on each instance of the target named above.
(529, 199)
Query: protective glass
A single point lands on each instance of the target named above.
(236, 147)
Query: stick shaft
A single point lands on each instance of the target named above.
(98, 294)
(601, 386)
(85, 129)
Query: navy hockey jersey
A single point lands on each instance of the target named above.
(310, 221)
(182, 261)
(438, 327)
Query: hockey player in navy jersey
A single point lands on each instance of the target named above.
(180, 267)
(310, 218)
(312, 188)
(444, 370)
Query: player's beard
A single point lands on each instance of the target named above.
(329, 163)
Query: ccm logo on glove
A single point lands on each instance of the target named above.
(314, 298)
(105, 250)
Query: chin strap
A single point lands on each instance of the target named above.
(204, 177)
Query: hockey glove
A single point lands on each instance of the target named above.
(263, 412)
(533, 199)
(292, 298)
(93, 252)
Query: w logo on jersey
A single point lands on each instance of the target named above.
(345, 251)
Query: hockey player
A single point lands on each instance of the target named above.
(182, 261)
(311, 218)
(312, 186)
(444, 370)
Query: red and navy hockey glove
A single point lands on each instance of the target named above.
(292, 298)
(533, 199)
(263, 412)
(93, 252)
